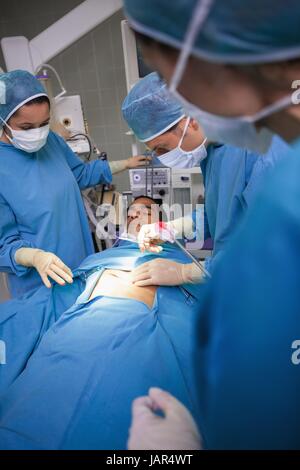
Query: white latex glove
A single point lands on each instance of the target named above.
(46, 264)
(162, 272)
(117, 166)
(175, 431)
(138, 160)
(152, 234)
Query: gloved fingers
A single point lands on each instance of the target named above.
(55, 277)
(143, 275)
(153, 241)
(63, 266)
(148, 233)
(136, 277)
(148, 238)
(171, 407)
(149, 281)
(45, 280)
(149, 265)
(62, 273)
(144, 241)
(142, 407)
(140, 239)
(163, 400)
(142, 160)
(156, 248)
(142, 417)
(148, 246)
(143, 268)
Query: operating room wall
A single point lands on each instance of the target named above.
(92, 67)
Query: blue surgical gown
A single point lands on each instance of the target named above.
(77, 388)
(41, 207)
(248, 382)
(232, 179)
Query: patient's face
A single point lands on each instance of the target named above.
(142, 211)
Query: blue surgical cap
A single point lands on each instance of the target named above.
(149, 109)
(235, 31)
(16, 89)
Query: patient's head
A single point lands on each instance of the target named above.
(143, 210)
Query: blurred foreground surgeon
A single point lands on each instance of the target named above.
(238, 73)
(42, 216)
(232, 176)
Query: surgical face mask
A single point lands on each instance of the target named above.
(179, 158)
(238, 131)
(29, 141)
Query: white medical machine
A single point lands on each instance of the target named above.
(169, 185)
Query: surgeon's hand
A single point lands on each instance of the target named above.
(138, 160)
(150, 235)
(175, 431)
(162, 272)
(47, 264)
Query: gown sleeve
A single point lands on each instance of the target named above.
(86, 174)
(258, 170)
(10, 241)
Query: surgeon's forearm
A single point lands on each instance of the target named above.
(118, 166)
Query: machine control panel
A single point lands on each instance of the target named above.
(155, 182)
(139, 176)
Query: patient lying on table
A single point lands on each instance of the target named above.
(118, 283)
(115, 342)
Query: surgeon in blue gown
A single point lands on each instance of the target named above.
(44, 231)
(248, 332)
(78, 385)
(232, 176)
